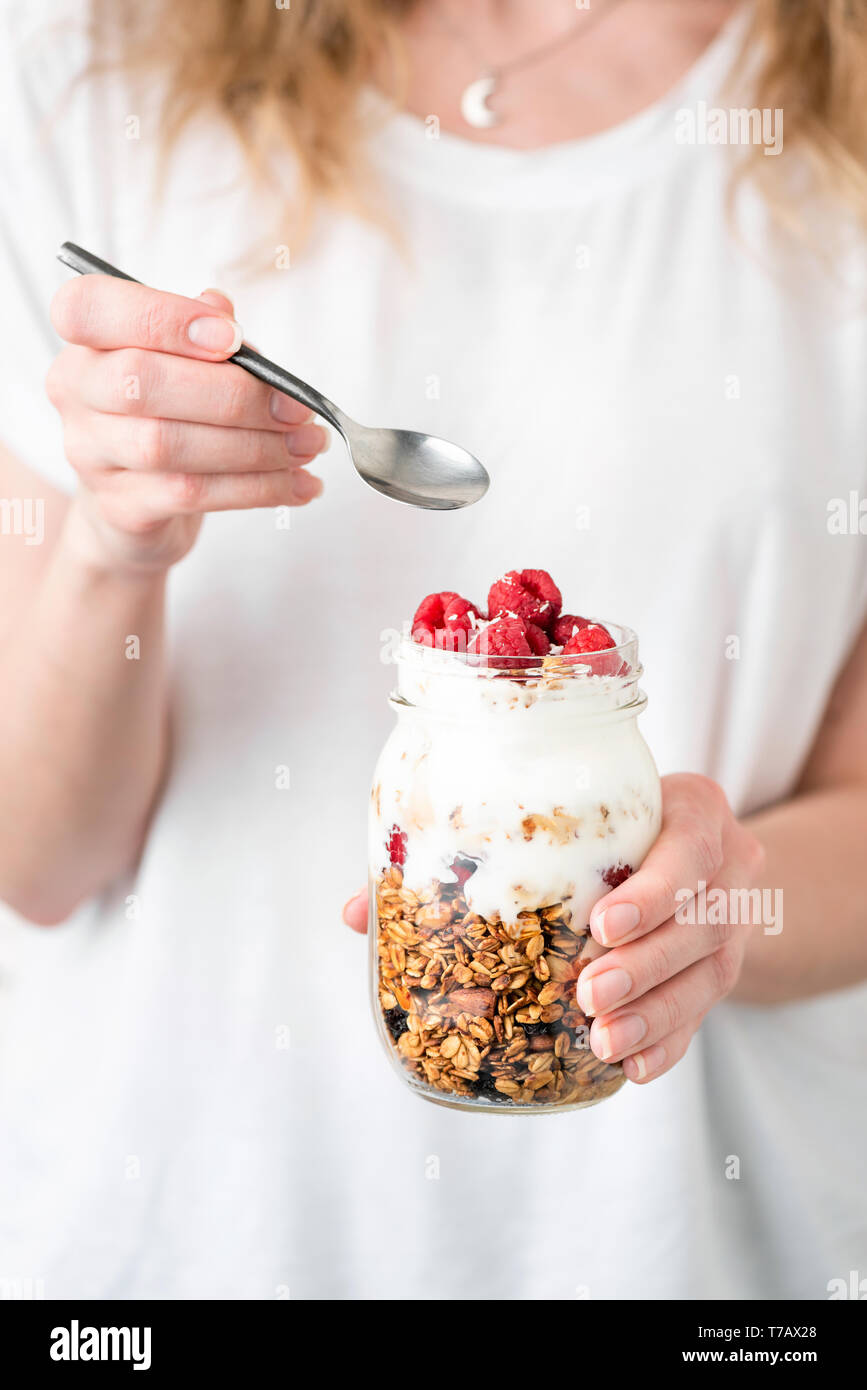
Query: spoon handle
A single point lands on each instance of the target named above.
(290, 385)
(85, 263)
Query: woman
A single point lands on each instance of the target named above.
(630, 323)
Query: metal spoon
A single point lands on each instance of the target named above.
(410, 467)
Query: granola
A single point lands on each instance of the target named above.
(482, 1011)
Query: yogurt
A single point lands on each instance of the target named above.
(538, 786)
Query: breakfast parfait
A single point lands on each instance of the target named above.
(514, 791)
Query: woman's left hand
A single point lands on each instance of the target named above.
(649, 993)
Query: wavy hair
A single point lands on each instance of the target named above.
(292, 77)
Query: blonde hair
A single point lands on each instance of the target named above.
(293, 77)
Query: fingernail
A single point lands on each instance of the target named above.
(644, 1063)
(603, 991)
(356, 898)
(215, 298)
(305, 486)
(306, 441)
(216, 335)
(615, 922)
(287, 410)
(620, 1036)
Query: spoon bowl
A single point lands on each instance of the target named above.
(418, 469)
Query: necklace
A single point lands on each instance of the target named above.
(474, 98)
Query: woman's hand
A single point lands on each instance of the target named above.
(160, 428)
(355, 912)
(649, 993)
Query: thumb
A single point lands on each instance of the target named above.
(355, 912)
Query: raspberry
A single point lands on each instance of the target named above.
(540, 583)
(617, 874)
(538, 639)
(592, 638)
(396, 846)
(444, 620)
(463, 869)
(565, 626)
(528, 594)
(430, 611)
(503, 637)
(508, 597)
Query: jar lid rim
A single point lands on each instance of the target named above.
(554, 666)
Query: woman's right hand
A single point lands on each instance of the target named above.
(160, 427)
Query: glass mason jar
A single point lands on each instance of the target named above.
(504, 804)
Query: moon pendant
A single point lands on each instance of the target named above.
(474, 103)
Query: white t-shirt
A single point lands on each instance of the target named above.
(194, 1100)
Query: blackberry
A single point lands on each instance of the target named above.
(395, 1021)
(485, 1087)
